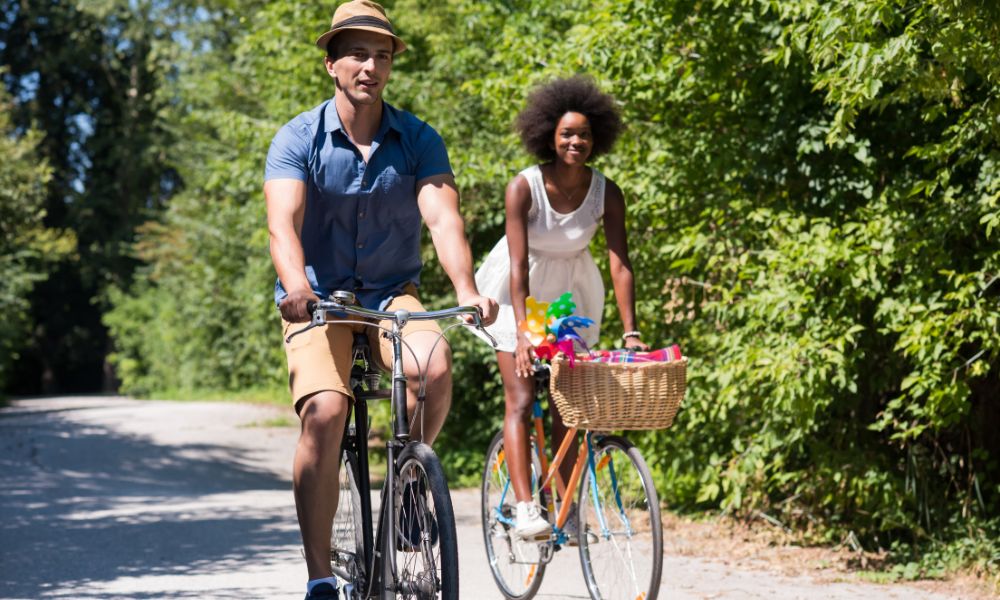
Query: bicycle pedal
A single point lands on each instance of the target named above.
(545, 552)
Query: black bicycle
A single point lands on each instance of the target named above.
(419, 559)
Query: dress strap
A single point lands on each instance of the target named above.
(597, 205)
(537, 185)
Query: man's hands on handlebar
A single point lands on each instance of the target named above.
(488, 308)
(294, 308)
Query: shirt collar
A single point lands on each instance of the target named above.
(331, 120)
(390, 119)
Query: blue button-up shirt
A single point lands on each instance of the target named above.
(361, 230)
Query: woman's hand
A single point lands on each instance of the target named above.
(524, 357)
(633, 342)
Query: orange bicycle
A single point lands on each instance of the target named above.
(619, 530)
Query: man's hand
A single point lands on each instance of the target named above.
(293, 308)
(488, 308)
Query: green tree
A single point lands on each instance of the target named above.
(87, 76)
(27, 247)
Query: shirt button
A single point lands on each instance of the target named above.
(361, 215)
(360, 245)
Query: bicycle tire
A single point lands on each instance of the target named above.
(621, 542)
(429, 568)
(516, 565)
(347, 555)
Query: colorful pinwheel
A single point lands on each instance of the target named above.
(551, 327)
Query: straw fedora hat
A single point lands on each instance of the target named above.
(364, 15)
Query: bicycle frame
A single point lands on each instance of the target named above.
(341, 303)
(550, 472)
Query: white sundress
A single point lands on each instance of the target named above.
(559, 261)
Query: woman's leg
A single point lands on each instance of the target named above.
(519, 395)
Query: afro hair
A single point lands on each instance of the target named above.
(549, 102)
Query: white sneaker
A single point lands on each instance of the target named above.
(529, 520)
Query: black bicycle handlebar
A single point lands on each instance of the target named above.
(342, 302)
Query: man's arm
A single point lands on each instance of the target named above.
(286, 204)
(437, 198)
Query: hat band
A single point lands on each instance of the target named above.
(363, 20)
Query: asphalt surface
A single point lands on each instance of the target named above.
(111, 498)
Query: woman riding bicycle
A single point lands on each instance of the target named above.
(552, 212)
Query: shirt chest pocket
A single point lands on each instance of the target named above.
(398, 197)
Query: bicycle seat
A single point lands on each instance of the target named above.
(360, 341)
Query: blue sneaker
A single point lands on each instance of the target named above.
(323, 591)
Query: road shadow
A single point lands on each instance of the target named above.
(82, 503)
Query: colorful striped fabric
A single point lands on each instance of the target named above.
(668, 354)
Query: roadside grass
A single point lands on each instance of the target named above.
(378, 413)
(965, 565)
(270, 396)
(279, 421)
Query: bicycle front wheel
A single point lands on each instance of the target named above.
(621, 535)
(347, 553)
(515, 563)
(426, 542)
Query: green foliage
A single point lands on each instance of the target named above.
(812, 191)
(90, 78)
(27, 246)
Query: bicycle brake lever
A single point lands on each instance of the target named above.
(288, 339)
(318, 318)
(479, 325)
(492, 339)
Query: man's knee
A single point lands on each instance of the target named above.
(322, 412)
(438, 369)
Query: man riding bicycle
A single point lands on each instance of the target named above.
(347, 184)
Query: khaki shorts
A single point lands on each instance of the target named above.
(320, 359)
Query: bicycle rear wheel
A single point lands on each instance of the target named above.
(425, 541)
(515, 563)
(347, 554)
(621, 535)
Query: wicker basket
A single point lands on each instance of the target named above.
(609, 396)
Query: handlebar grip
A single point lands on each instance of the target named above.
(311, 306)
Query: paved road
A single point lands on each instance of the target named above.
(105, 497)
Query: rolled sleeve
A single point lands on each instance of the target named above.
(288, 156)
(432, 154)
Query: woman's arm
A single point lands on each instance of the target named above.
(517, 201)
(621, 266)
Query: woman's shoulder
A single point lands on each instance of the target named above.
(611, 188)
(526, 181)
(519, 183)
(526, 173)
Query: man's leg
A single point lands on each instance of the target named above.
(421, 337)
(437, 368)
(319, 365)
(315, 472)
